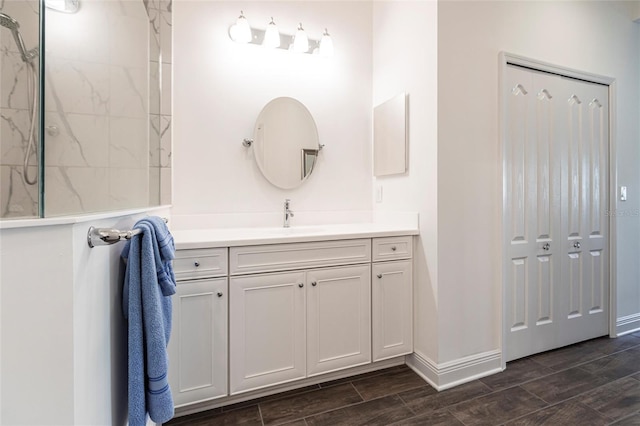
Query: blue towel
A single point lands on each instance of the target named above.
(148, 285)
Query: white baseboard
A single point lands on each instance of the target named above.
(453, 373)
(627, 324)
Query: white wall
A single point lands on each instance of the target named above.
(62, 334)
(99, 328)
(587, 36)
(405, 60)
(36, 326)
(221, 86)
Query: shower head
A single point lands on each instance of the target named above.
(8, 22)
(13, 25)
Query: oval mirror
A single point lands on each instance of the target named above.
(285, 141)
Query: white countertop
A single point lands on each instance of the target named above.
(230, 237)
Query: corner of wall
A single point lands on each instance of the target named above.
(453, 373)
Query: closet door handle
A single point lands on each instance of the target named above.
(300, 285)
(196, 263)
(314, 283)
(219, 294)
(379, 275)
(577, 244)
(546, 246)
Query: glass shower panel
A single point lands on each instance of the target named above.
(19, 64)
(105, 117)
(97, 106)
(160, 102)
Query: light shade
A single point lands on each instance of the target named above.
(65, 6)
(300, 41)
(326, 44)
(241, 31)
(271, 36)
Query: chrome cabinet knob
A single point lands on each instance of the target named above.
(379, 275)
(219, 294)
(577, 244)
(196, 263)
(314, 283)
(547, 246)
(300, 285)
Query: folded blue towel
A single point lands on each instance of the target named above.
(149, 282)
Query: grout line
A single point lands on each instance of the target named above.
(260, 413)
(356, 389)
(625, 417)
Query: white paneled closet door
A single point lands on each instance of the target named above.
(585, 227)
(555, 199)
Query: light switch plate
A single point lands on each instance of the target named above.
(623, 193)
(379, 194)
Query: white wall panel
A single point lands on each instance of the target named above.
(470, 36)
(405, 42)
(221, 86)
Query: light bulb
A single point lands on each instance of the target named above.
(326, 44)
(300, 42)
(241, 31)
(271, 36)
(64, 6)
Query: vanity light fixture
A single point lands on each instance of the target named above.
(300, 41)
(64, 6)
(241, 31)
(326, 44)
(270, 37)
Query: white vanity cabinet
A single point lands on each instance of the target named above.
(338, 318)
(267, 330)
(392, 297)
(198, 345)
(289, 325)
(253, 318)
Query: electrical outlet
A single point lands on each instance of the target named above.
(623, 193)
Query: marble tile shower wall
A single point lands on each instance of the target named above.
(17, 199)
(106, 121)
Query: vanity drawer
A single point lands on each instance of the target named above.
(392, 248)
(284, 257)
(200, 263)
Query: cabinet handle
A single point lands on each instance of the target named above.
(393, 248)
(196, 263)
(314, 283)
(379, 275)
(577, 244)
(547, 246)
(219, 294)
(300, 285)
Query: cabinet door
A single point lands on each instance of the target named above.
(338, 318)
(198, 344)
(267, 329)
(392, 303)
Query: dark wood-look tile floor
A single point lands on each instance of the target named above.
(590, 383)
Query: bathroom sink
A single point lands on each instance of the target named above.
(296, 230)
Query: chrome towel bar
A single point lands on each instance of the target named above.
(108, 236)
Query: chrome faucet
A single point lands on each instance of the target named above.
(287, 212)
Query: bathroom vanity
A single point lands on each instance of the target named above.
(264, 310)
